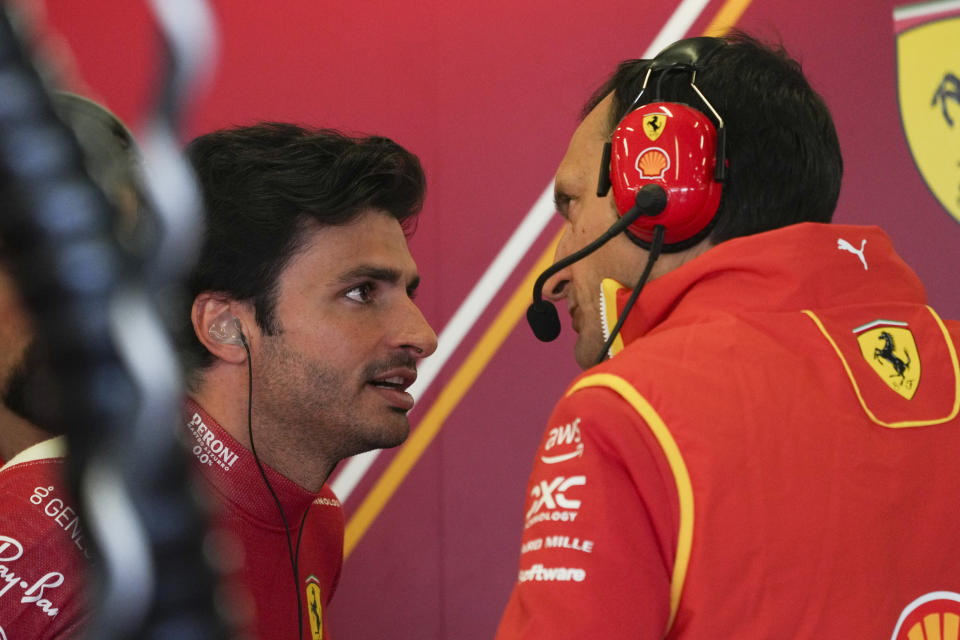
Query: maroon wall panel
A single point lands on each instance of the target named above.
(488, 94)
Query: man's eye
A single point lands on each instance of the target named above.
(360, 293)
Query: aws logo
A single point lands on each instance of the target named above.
(563, 435)
(933, 616)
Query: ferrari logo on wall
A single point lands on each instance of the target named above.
(889, 348)
(928, 78)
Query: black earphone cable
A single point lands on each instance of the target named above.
(296, 554)
(263, 474)
(655, 247)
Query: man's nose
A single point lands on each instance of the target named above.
(418, 336)
(555, 288)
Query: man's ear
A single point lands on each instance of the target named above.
(218, 325)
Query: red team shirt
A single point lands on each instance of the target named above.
(43, 556)
(245, 508)
(771, 453)
(42, 548)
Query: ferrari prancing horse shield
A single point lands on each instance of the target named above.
(314, 608)
(653, 125)
(889, 348)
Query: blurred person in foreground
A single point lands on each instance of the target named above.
(43, 549)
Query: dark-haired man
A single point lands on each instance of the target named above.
(754, 456)
(304, 337)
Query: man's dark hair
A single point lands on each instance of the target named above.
(263, 184)
(782, 148)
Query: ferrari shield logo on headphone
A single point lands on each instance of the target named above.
(653, 125)
(928, 86)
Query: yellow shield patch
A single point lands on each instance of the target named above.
(653, 125)
(889, 348)
(314, 608)
(928, 78)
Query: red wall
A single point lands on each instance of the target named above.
(487, 94)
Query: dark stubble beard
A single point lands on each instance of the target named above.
(23, 392)
(327, 404)
(15, 388)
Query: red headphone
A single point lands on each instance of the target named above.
(674, 146)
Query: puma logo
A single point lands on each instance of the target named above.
(843, 245)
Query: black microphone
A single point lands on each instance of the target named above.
(542, 314)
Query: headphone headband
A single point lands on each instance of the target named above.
(692, 52)
(689, 55)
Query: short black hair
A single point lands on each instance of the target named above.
(263, 184)
(784, 155)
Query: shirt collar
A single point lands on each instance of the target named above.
(235, 475)
(783, 269)
(52, 448)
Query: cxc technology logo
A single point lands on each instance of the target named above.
(552, 498)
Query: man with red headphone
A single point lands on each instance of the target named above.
(749, 452)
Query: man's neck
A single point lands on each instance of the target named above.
(229, 410)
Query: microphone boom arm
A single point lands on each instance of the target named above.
(541, 314)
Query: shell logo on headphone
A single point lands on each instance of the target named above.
(652, 163)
